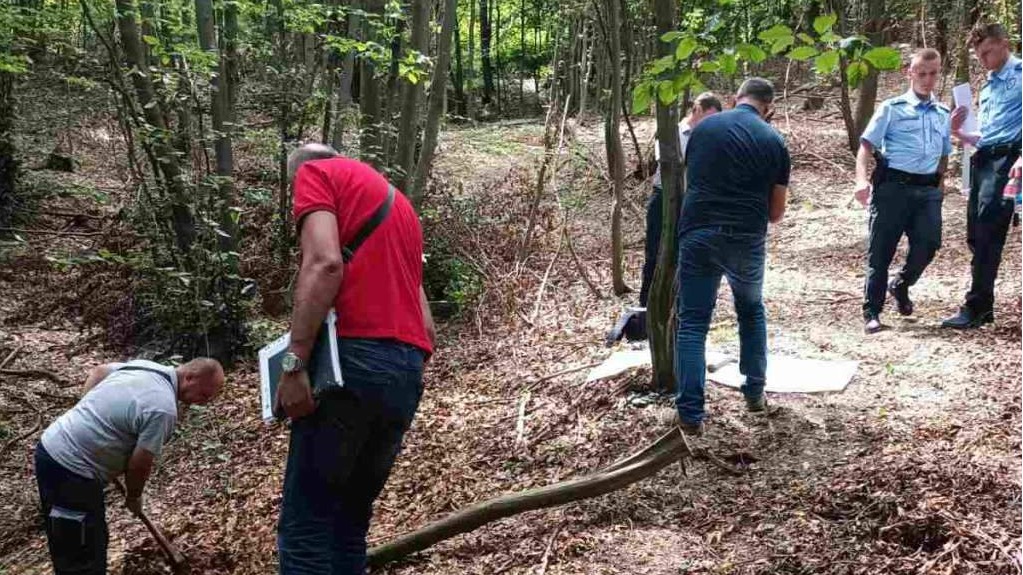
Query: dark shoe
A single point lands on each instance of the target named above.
(756, 404)
(669, 417)
(968, 319)
(900, 291)
(872, 324)
(691, 429)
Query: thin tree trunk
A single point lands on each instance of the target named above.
(408, 126)
(459, 70)
(370, 142)
(613, 144)
(344, 90)
(488, 68)
(436, 101)
(666, 450)
(584, 75)
(522, 57)
(168, 165)
(874, 29)
(470, 108)
(660, 303)
(498, 72)
(8, 163)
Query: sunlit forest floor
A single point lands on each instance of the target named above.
(913, 469)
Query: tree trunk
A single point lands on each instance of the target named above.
(873, 27)
(613, 145)
(8, 163)
(470, 108)
(496, 54)
(661, 300)
(167, 160)
(522, 57)
(370, 142)
(584, 72)
(666, 450)
(459, 70)
(488, 68)
(845, 105)
(436, 101)
(408, 126)
(219, 105)
(344, 90)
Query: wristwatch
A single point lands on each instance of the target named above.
(291, 363)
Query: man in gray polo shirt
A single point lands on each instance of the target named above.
(127, 413)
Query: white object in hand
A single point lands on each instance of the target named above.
(963, 96)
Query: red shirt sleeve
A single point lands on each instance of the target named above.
(313, 193)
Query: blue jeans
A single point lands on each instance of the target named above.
(341, 455)
(75, 517)
(706, 254)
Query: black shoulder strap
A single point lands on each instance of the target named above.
(348, 252)
(150, 370)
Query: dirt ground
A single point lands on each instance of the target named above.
(915, 468)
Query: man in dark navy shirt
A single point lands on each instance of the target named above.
(738, 176)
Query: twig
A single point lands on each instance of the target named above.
(9, 357)
(36, 373)
(520, 423)
(543, 286)
(533, 385)
(51, 232)
(580, 267)
(550, 546)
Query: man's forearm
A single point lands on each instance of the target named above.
(315, 291)
(139, 467)
(863, 163)
(942, 166)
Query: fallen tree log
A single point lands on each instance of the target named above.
(666, 450)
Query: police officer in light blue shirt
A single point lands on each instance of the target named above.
(909, 136)
(997, 158)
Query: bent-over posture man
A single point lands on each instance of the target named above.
(345, 440)
(737, 176)
(119, 426)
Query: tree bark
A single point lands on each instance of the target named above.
(344, 90)
(488, 67)
(584, 72)
(666, 450)
(167, 160)
(459, 71)
(873, 27)
(660, 303)
(470, 108)
(8, 163)
(613, 145)
(370, 143)
(436, 101)
(408, 126)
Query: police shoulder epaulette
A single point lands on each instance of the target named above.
(943, 108)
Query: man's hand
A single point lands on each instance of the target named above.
(1017, 169)
(958, 118)
(134, 504)
(862, 192)
(295, 395)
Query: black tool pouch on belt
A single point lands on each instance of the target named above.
(878, 177)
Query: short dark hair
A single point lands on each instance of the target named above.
(925, 55)
(759, 89)
(984, 30)
(706, 101)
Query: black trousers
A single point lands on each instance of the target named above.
(75, 517)
(897, 209)
(654, 217)
(988, 216)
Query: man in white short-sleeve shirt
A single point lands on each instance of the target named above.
(127, 413)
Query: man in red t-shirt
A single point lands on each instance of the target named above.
(344, 443)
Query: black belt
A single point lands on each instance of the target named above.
(908, 178)
(999, 150)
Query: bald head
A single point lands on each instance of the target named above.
(306, 153)
(199, 380)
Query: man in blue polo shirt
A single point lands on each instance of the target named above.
(910, 137)
(998, 156)
(738, 177)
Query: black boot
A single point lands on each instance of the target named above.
(900, 291)
(968, 319)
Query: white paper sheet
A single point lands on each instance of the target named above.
(784, 374)
(963, 96)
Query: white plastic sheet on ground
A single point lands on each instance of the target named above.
(784, 374)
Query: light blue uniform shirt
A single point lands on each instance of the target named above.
(912, 134)
(1000, 105)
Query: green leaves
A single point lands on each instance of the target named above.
(826, 62)
(728, 64)
(883, 58)
(802, 53)
(641, 98)
(685, 48)
(822, 24)
(778, 37)
(751, 52)
(856, 72)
